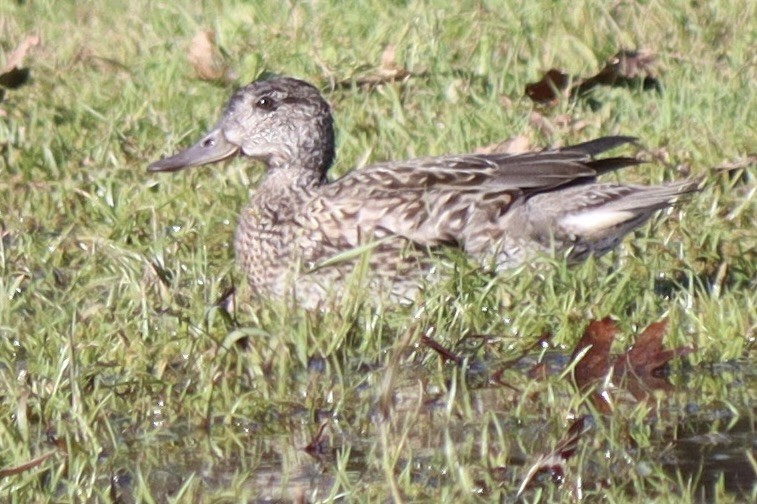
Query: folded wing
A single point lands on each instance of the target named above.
(430, 201)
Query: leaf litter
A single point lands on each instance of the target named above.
(387, 71)
(207, 60)
(629, 69)
(13, 74)
(639, 370)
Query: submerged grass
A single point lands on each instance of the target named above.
(116, 358)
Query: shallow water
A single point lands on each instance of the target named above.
(705, 446)
(711, 455)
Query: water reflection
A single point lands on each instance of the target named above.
(308, 455)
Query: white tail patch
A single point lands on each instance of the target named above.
(596, 221)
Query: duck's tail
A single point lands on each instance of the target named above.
(594, 218)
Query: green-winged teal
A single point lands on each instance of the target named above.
(295, 236)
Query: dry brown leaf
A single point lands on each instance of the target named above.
(205, 58)
(13, 75)
(624, 69)
(643, 367)
(595, 345)
(514, 145)
(640, 370)
(387, 71)
(388, 66)
(14, 78)
(541, 123)
(389, 58)
(549, 88)
(16, 57)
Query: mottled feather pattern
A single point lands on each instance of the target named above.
(302, 237)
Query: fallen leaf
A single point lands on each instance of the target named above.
(206, 59)
(13, 75)
(595, 346)
(627, 69)
(388, 64)
(16, 57)
(639, 370)
(644, 365)
(514, 145)
(14, 78)
(648, 354)
(624, 69)
(547, 89)
(387, 71)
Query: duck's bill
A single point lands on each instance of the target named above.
(212, 148)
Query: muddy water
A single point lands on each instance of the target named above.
(706, 446)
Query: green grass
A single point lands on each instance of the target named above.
(114, 356)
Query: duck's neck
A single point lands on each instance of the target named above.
(289, 170)
(280, 195)
(305, 163)
(284, 179)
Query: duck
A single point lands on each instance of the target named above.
(303, 238)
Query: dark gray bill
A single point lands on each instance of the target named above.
(213, 147)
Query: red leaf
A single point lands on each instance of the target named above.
(549, 87)
(643, 367)
(624, 69)
(639, 370)
(595, 363)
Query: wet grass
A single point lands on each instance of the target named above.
(120, 370)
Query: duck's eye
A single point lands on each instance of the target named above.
(265, 103)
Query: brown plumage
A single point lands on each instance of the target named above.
(301, 236)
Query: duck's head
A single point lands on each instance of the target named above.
(283, 122)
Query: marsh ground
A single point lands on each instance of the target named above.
(122, 378)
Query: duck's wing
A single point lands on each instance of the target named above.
(521, 172)
(429, 200)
